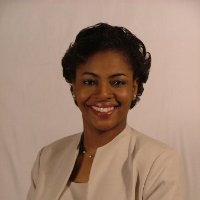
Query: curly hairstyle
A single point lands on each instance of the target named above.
(103, 37)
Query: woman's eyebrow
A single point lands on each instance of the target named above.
(117, 74)
(89, 73)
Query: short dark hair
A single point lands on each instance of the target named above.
(103, 37)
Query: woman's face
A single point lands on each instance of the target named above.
(104, 88)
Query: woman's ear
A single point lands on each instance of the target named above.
(135, 89)
(72, 89)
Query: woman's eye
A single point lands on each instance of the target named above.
(117, 83)
(89, 82)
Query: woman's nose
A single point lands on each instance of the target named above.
(104, 91)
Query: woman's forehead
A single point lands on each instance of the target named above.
(107, 61)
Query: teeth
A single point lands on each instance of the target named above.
(103, 109)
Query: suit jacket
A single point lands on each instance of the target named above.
(130, 167)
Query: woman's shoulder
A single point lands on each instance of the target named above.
(146, 145)
(149, 153)
(157, 163)
(66, 139)
(62, 144)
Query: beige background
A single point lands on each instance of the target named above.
(36, 107)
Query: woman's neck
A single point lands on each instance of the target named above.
(94, 138)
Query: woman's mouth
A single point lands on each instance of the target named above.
(103, 111)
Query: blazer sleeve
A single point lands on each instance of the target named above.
(165, 180)
(34, 177)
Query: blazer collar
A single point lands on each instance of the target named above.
(60, 168)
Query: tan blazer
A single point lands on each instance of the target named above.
(130, 167)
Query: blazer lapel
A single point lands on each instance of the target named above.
(60, 166)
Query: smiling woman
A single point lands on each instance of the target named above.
(106, 67)
(104, 89)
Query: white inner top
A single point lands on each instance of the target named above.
(75, 191)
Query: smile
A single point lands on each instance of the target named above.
(103, 110)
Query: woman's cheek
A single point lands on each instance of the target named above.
(124, 94)
(83, 95)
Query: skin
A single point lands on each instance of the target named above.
(103, 89)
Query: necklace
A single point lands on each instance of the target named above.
(84, 152)
(82, 149)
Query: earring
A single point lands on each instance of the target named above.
(134, 96)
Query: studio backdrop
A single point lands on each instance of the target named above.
(36, 106)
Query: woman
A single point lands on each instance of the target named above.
(106, 67)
